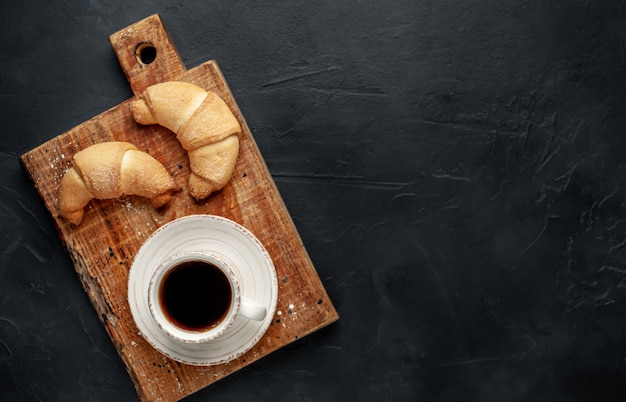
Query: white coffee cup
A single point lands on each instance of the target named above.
(195, 296)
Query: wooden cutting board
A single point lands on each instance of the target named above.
(102, 248)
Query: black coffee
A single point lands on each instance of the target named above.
(195, 295)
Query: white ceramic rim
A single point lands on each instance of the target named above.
(188, 336)
(237, 243)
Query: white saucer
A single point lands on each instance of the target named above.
(205, 232)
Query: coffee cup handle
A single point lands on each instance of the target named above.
(252, 310)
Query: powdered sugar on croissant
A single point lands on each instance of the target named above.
(111, 170)
(203, 124)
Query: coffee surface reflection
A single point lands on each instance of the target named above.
(195, 295)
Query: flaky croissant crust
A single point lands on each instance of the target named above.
(111, 170)
(203, 124)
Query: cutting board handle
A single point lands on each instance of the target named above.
(147, 54)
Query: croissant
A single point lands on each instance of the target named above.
(203, 124)
(110, 170)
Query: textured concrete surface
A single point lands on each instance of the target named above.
(455, 169)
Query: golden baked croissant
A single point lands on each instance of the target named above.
(110, 170)
(204, 125)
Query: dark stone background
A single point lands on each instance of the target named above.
(455, 170)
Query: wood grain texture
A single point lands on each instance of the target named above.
(102, 248)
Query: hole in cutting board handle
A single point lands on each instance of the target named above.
(128, 45)
(145, 53)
